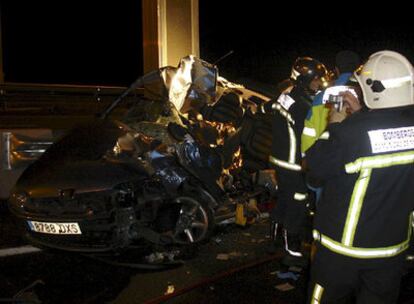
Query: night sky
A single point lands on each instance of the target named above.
(78, 43)
(72, 41)
(266, 40)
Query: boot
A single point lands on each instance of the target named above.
(272, 247)
(293, 249)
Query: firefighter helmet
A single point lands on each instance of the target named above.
(386, 80)
(306, 69)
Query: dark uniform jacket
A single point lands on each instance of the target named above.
(366, 164)
(289, 116)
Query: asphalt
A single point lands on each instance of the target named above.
(233, 267)
(72, 278)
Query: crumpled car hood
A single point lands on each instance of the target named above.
(77, 162)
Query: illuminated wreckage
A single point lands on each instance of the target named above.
(182, 159)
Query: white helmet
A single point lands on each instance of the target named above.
(386, 80)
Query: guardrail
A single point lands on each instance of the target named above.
(38, 99)
(19, 151)
(33, 116)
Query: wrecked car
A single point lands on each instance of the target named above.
(179, 161)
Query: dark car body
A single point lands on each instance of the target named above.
(153, 176)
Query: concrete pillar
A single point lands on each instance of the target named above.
(170, 31)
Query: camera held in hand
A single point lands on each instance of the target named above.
(337, 101)
(332, 95)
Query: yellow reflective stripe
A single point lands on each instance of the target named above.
(262, 109)
(317, 294)
(365, 166)
(284, 164)
(380, 161)
(300, 196)
(292, 149)
(277, 106)
(324, 135)
(412, 220)
(309, 131)
(361, 253)
(355, 206)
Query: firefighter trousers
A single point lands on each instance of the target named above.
(290, 209)
(337, 278)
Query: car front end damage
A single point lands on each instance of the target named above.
(159, 175)
(91, 221)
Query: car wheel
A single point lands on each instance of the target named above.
(194, 222)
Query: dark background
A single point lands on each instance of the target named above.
(72, 41)
(266, 40)
(100, 43)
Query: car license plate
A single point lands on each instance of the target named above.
(55, 228)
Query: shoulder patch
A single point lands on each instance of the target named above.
(285, 101)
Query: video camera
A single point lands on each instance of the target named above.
(331, 96)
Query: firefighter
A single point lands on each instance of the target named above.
(362, 224)
(289, 113)
(346, 62)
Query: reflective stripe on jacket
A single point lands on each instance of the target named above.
(367, 167)
(289, 115)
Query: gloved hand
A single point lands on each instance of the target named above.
(351, 102)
